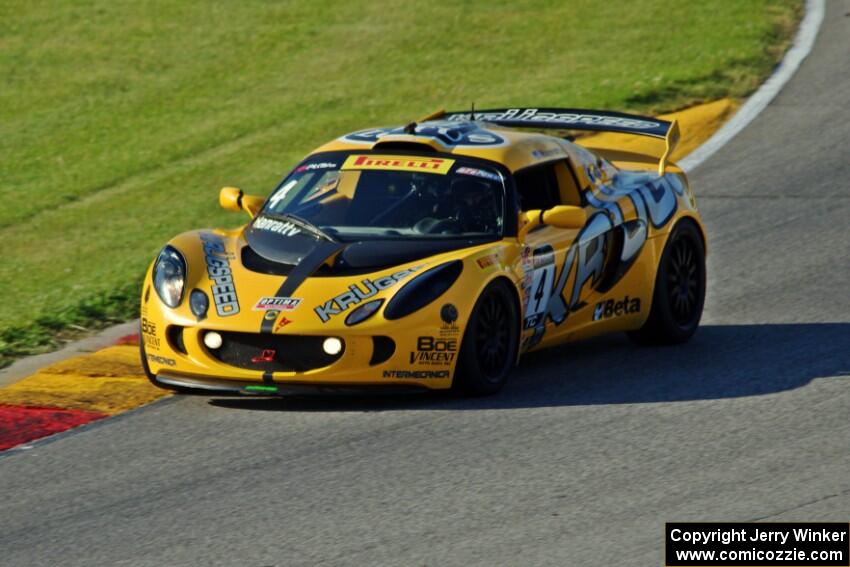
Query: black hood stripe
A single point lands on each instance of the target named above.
(269, 319)
(306, 267)
(303, 270)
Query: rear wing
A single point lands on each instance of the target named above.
(576, 119)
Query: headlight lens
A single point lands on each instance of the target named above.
(169, 274)
(423, 289)
(363, 312)
(199, 304)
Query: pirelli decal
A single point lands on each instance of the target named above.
(399, 163)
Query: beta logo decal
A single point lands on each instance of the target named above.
(355, 295)
(218, 270)
(434, 351)
(420, 374)
(283, 228)
(277, 303)
(399, 163)
(612, 308)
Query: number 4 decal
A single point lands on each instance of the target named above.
(542, 283)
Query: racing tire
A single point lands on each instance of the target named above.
(489, 347)
(679, 295)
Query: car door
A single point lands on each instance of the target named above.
(552, 256)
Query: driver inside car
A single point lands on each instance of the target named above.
(473, 205)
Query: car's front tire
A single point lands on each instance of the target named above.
(679, 294)
(489, 347)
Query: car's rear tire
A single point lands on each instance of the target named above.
(489, 347)
(679, 295)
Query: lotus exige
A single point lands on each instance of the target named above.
(431, 255)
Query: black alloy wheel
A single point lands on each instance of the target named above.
(489, 348)
(679, 295)
(682, 281)
(491, 336)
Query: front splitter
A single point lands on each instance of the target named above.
(222, 386)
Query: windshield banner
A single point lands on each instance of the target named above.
(399, 163)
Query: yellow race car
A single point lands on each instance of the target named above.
(431, 256)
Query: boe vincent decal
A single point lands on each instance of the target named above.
(434, 351)
(149, 333)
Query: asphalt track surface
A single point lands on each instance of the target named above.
(583, 457)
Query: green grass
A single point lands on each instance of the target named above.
(119, 121)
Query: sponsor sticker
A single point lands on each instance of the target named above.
(614, 308)
(418, 374)
(486, 262)
(149, 334)
(540, 154)
(448, 134)
(535, 115)
(218, 270)
(434, 351)
(399, 163)
(281, 323)
(277, 303)
(448, 315)
(314, 166)
(284, 228)
(268, 355)
(355, 295)
(162, 360)
(483, 173)
(541, 264)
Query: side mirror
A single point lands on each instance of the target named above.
(233, 199)
(562, 216)
(565, 216)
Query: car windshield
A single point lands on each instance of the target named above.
(364, 196)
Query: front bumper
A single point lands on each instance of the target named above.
(224, 386)
(378, 357)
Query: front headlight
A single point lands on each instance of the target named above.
(423, 289)
(169, 273)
